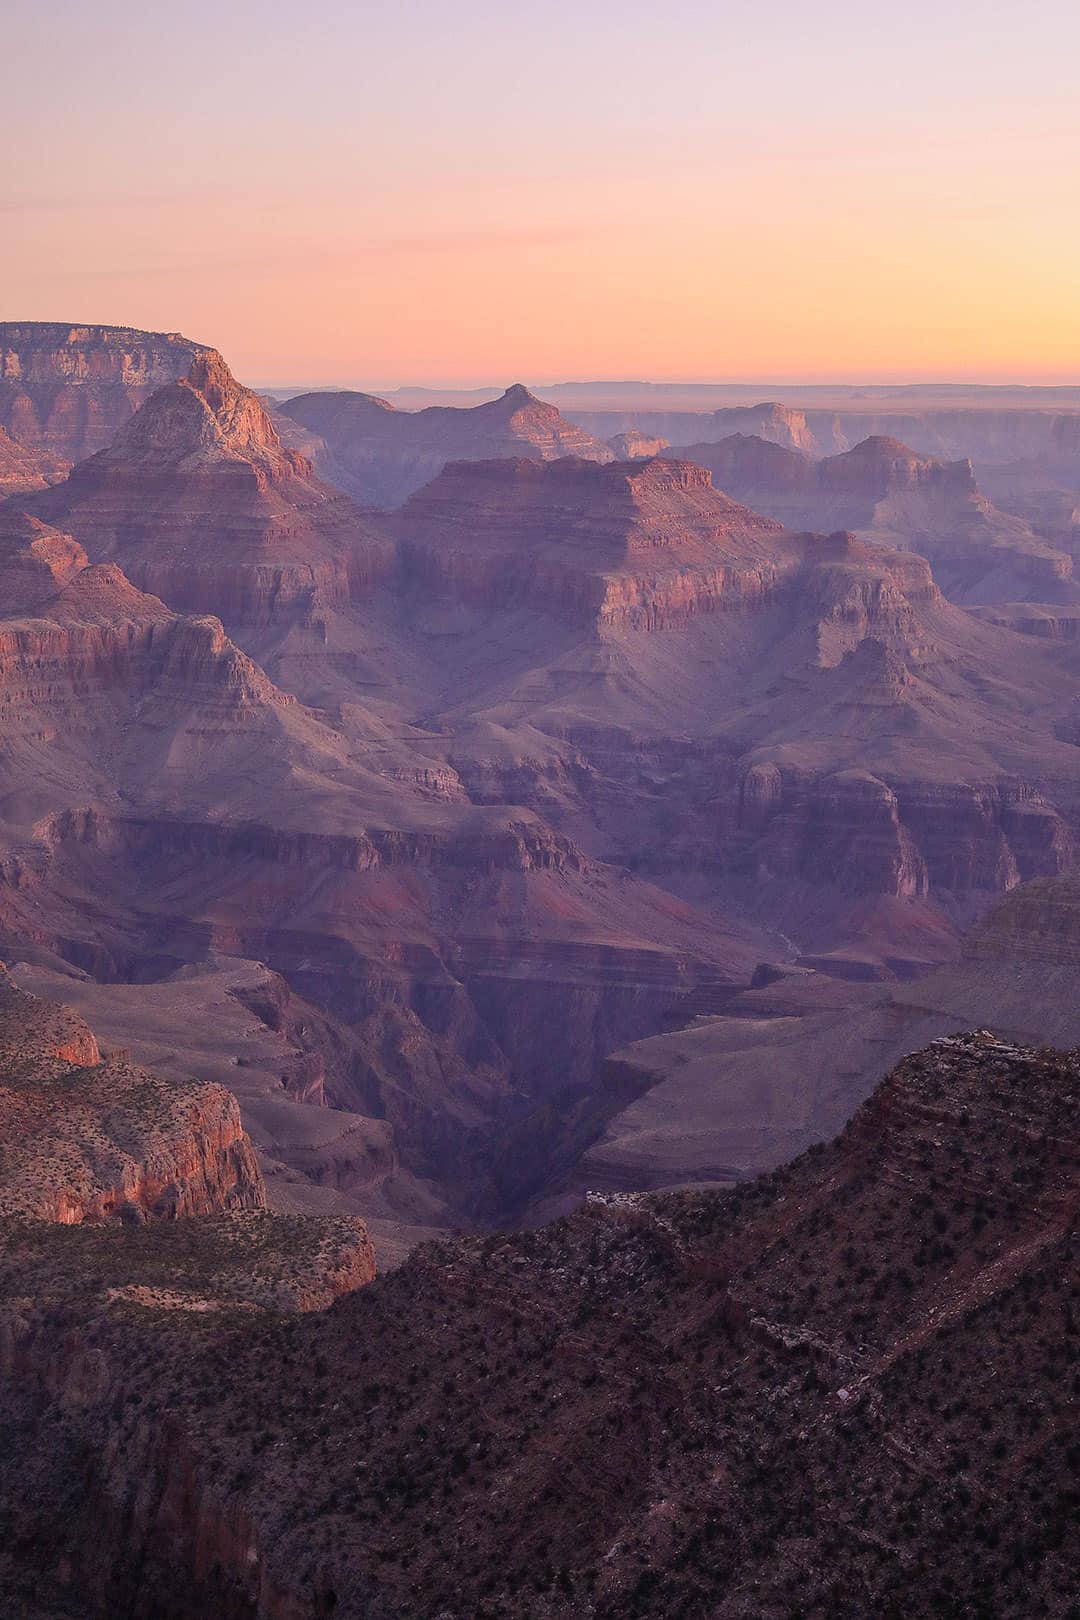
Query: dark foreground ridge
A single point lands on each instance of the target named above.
(846, 1388)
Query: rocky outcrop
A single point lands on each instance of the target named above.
(84, 1138)
(21, 470)
(630, 545)
(636, 446)
(750, 466)
(846, 1309)
(381, 455)
(772, 421)
(881, 466)
(103, 641)
(66, 391)
(201, 504)
(36, 561)
(892, 494)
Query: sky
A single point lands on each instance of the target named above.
(384, 192)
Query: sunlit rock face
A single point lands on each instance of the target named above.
(200, 503)
(65, 391)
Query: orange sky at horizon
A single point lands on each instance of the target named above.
(386, 196)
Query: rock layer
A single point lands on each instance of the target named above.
(632, 1388)
(200, 503)
(381, 455)
(887, 492)
(91, 1139)
(615, 546)
(65, 391)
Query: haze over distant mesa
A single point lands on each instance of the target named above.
(539, 812)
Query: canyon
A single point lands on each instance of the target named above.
(890, 494)
(729, 1096)
(439, 807)
(418, 824)
(66, 390)
(380, 455)
(853, 1375)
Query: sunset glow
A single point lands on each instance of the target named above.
(382, 194)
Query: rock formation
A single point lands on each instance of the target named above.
(750, 710)
(887, 492)
(429, 938)
(36, 560)
(65, 391)
(380, 455)
(787, 427)
(199, 502)
(21, 471)
(84, 1138)
(632, 1411)
(636, 446)
(615, 546)
(1022, 433)
(574, 723)
(730, 1096)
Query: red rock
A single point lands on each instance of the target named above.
(84, 1138)
(890, 493)
(628, 544)
(201, 504)
(381, 455)
(36, 560)
(65, 391)
(636, 446)
(21, 470)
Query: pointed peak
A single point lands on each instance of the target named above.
(518, 398)
(206, 414)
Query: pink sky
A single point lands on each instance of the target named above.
(383, 193)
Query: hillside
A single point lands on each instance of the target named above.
(849, 1386)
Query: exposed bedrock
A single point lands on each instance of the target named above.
(380, 455)
(200, 503)
(66, 391)
(466, 1009)
(84, 1138)
(628, 545)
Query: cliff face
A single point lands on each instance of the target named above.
(621, 545)
(797, 1051)
(636, 446)
(643, 1382)
(777, 424)
(21, 469)
(200, 503)
(97, 643)
(381, 455)
(36, 561)
(436, 937)
(84, 1139)
(890, 493)
(65, 391)
(883, 466)
(829, 688)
